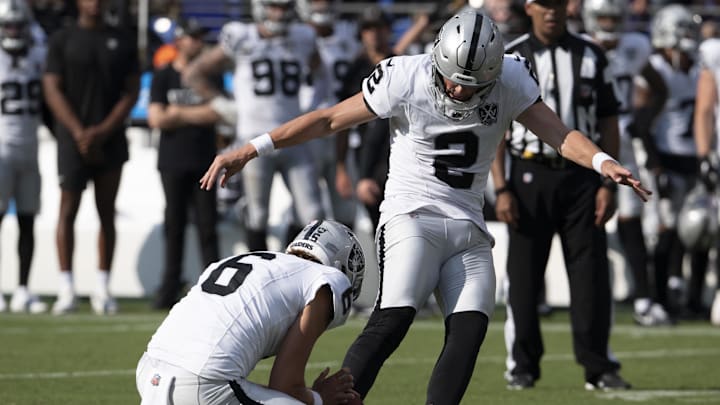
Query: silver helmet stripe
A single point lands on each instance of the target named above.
(473, 44)
(312, 229)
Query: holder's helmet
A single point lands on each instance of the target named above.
(332, 244)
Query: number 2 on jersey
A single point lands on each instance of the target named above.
(219, 285)
(14, 92)
(445, 164)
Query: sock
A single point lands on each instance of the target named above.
(66, 282)
(103, 277)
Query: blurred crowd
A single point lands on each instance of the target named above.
(194, 123)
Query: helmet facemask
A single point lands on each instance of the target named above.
(604, 19)
(15, 20)
(468, 51)
(274, 15)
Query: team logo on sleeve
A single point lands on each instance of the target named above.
(488, 114)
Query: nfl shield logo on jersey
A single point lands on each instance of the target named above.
(488, 114)
(155, 380)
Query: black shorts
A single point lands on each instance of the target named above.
(74, 171)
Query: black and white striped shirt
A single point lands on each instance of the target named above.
(574, 82)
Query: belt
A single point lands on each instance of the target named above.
(553, 162)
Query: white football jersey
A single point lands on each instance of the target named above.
(337, 53)
(625, 62)
(673, 129)
(710, 59)
(268, 74)
(240, 311)
(437, 163)
(21, 100)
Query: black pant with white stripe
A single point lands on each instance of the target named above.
(558, 201)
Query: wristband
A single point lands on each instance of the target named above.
(598, 159)
(317, 399)
(263, 144)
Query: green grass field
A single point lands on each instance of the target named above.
(86, 359)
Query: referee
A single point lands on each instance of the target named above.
(544, 194)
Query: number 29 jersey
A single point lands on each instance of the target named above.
(240, 311)
(20, 102)
(437, 163)
(268, 74)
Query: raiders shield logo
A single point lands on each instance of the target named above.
(488, 114)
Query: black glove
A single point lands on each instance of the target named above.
(708, 172)
(664, 186)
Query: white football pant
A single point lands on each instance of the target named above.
(161, 383)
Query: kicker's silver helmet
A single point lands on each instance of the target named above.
(275, 24)
(468, 50)
(675, 27)
(616, 10)
(697, 223)
(332, 244)
(15, 19)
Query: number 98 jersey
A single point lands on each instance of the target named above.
(240, 311)
(268, 74)
(438, 163)
(20, 101)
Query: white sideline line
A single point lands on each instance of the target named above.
(410, 361)
(149, 324)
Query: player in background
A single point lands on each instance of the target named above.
(22, 61)
(628, 57)
(448, 112)
(674, 33)
(270, 56)
(253, 306)
(338, 46)
(707, 129)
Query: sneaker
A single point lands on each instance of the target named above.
(65, 303)
(103, 304)
(715, 311)
(520, 381)
(654, 315)
(609, 381)
(23, 301)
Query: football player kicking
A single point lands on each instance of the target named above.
(448, 112)
(252, 306)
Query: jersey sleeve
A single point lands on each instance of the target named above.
(232, 35)
(519, 76)
(710, 54)
(158, 87)
(54, 61)
(341, 293)
(381, 89)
